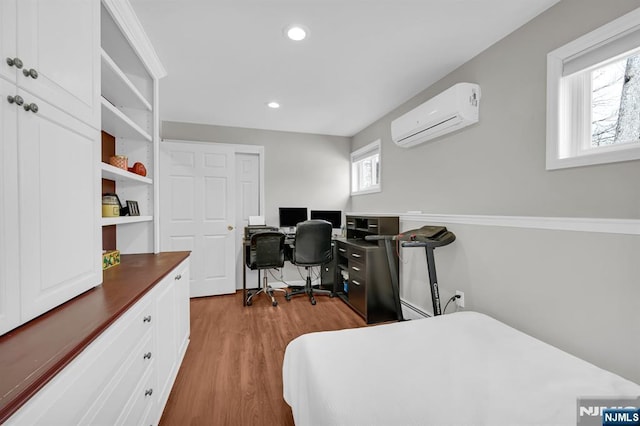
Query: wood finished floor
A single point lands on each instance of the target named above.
(232, 371)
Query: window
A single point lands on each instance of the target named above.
(593, 97)
(365, 169)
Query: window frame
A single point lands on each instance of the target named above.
(367, 151)
(566, 126)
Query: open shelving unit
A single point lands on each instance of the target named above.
(120, 175)
(130, 71)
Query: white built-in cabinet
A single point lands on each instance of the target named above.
(129, 105)
(124, 377)
(49, 183)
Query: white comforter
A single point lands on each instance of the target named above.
(459, 369)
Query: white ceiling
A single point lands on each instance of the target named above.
(227, 58)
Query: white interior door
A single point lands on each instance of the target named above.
(197, 212)
(248, 173)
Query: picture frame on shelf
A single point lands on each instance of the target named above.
(132, 206)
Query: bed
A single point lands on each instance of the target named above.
(459, 369)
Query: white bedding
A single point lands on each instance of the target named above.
(459, 369)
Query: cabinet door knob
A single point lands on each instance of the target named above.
(147, 318)
(15, 62)
(179, 276)
(148, 392)
(30, 73)
(17, 99)
(147, 355)
(31, 107)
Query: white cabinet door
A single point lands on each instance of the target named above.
(8, 38)
(183, 308)
(166, 325)
(60, 40)
(9, 247)
(59, 202)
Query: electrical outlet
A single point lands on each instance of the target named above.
(460, 300)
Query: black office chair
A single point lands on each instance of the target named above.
(312, 247)
(266, 251)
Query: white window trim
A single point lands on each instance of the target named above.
(373, 147)
(556, 99)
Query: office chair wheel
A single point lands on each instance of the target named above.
(287, 296)
(249, 302)
(313, 300)
(274, 303)
(332, 295)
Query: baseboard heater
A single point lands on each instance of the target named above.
(414, 310)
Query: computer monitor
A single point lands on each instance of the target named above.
(333, 216)
(291, 216)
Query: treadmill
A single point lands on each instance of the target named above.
(429, 237)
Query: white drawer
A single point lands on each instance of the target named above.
(110, 405)
(142, 400)
(69, 395)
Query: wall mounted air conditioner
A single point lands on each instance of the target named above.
(453, 109)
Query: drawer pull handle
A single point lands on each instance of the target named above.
(373, 226)
(355, 282)
(147, 318)
(350, 223)
(147, 355)
(357, 256)
(342, 250)
(179, 276)
(355, 268)
(148, 392)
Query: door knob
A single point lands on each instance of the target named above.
(31, 107)
(230, 228)
(17, 99)
(14, 62)
(30, 73)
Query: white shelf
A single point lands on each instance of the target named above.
(120, 175)
(106, 221)
(119, 125)
(117, 88)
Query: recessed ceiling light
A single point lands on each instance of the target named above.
(296, 32)
(273, 105)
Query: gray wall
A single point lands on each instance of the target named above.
(498, 165)
(301, 170)
(576, 290)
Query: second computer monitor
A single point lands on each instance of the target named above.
(333, 216)
(291, 216)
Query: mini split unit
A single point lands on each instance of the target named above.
(453, 109)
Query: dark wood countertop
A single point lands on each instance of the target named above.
(35, 352)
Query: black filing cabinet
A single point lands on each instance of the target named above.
(362, 269)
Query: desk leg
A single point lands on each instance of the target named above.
(244, 276)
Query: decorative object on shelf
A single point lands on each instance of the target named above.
(120, 161)
(132, 207)
(139, 169)
(110, 258)
(110, 205)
